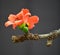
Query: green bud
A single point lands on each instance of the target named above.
(25, 29)
(22, 26)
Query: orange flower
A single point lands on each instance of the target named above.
(12, 20)
(32, 20)
(27, 18)
(22, 17)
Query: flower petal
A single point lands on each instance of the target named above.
(28, 14)
(12, 17)
(34, 19)
(19, 15)
(26, 11)
(25, 19)
(31, 25)
(8, 23)
(17, 23)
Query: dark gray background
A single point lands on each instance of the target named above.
(49, 14)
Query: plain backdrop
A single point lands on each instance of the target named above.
(49, 20)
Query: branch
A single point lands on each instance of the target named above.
(30, 36)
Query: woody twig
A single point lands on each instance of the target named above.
(30, 36)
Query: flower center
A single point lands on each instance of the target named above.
(27, 24)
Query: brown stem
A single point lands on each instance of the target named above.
(30, 36)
